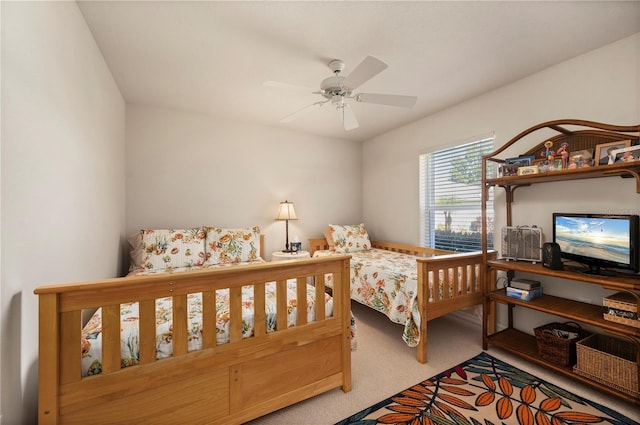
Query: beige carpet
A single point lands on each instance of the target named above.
(383, 365)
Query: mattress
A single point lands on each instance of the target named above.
(92, 331)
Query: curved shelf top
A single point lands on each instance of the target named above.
(579, 134)
(601, 130)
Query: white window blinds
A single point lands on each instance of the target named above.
(450, 197)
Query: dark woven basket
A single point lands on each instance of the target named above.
(555, 349)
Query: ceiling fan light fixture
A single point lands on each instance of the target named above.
(332, 84)
(337, 100)
(336, 89)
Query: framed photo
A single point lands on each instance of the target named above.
(604, 152)
(628, 154)
(509, 170)
(556, 164)
(520, 161)
(544, 165)
(580, 159)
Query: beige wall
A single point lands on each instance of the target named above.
(67, 200)
(603, 85)
(185, 170)
(63, 180)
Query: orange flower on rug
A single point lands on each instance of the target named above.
(485, 391)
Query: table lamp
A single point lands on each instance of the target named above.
(286, 213)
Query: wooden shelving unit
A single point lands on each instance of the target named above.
(525, 346)
(516, 341)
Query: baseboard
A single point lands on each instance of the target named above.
(469, 315)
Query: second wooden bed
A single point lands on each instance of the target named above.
(447, 281)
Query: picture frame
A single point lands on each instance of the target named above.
(580, 159)
(509, 170)
(627, 154)
(557, 164)
(544, 165)
(520, 161)
(547, 165)
(605, 150)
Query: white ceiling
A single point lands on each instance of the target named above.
(213, 57)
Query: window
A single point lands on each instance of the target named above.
(451, 197)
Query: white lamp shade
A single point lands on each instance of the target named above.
(286, 211)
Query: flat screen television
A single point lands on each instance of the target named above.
(599, 241)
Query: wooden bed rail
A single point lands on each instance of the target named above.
(419, 251)
(222, 370)
(318, 244)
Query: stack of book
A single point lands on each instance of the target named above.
(524, 289)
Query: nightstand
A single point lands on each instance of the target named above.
(281, 256)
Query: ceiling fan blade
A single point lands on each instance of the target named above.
(368, 68)
(299, 112)
(286, 86)
(348, 118)
(387, 99)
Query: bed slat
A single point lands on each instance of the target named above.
(301, 297)
(71, 350)
(281, 302)
(110, 338)
(447, 289)
(320, 288)
(235, 314)
(208, 319)
(260, 318)
(180, 325)
(147, 310)
(466, 284)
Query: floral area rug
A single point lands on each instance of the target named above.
(486, 391)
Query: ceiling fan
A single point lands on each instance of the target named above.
(338, 90)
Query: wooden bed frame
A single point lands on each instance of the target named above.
(430, 262)
(220, 384)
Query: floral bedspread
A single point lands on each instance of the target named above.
(92, 332)
(387, 282)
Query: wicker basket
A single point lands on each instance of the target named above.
(611, 361)
(556, 349)
(622, 307)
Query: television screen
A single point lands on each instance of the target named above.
(598, 240)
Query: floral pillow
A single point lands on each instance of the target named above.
(161, 249)
(225, 246)
(350, 238)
